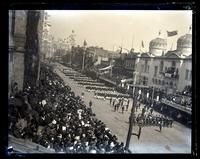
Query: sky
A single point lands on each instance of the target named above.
(112, 28)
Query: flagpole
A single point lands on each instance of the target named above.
(122, 42)
(132, 42)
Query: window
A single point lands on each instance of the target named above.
(165, 69)
(155, 71)
(163, 82)
(173, 64)
(174, 84)
(161, 66)
(145, 66)
(142, 68)
(148, 69)
(155, 81)
(186, 74)
(159, 82)
(190, 75)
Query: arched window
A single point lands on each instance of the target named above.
(161, 66)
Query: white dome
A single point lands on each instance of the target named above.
(158, 46)
(184, 44)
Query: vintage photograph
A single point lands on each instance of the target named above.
(100, 81)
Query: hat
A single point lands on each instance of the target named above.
(77, 137)
(93, 151)
(82, 122)
(64, 128)
(112, 144)
(54, 122)
(44, 102)
(86, 144)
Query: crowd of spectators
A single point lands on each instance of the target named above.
(52, 116)
(178, 99)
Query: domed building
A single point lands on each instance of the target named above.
(158, 46)
(184, 45)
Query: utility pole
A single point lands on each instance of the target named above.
(132, 113)
(83, 60)
(84, 49)
(132, 42)
(111, 63)
(152, 97)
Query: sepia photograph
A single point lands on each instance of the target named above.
(100, 81)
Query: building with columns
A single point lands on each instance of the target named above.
(169, 71)
(22, 24)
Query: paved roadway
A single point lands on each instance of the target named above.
(170, 140)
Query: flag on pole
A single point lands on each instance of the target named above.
(172, 33)
(120, 52)
(84, 43)
(142, 44)
(159, 33)
(190, 29)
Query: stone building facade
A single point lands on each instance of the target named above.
(17, 45)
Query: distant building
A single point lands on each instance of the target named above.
(102, 56)
(46, 43)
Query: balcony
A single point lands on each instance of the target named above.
(171, 72)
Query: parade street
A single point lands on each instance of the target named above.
(169, 140)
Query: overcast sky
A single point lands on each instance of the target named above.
(109, 28)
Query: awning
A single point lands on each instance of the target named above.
(127, 80)
(106, 68)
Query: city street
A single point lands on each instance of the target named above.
(118, 61)
(170, 140)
